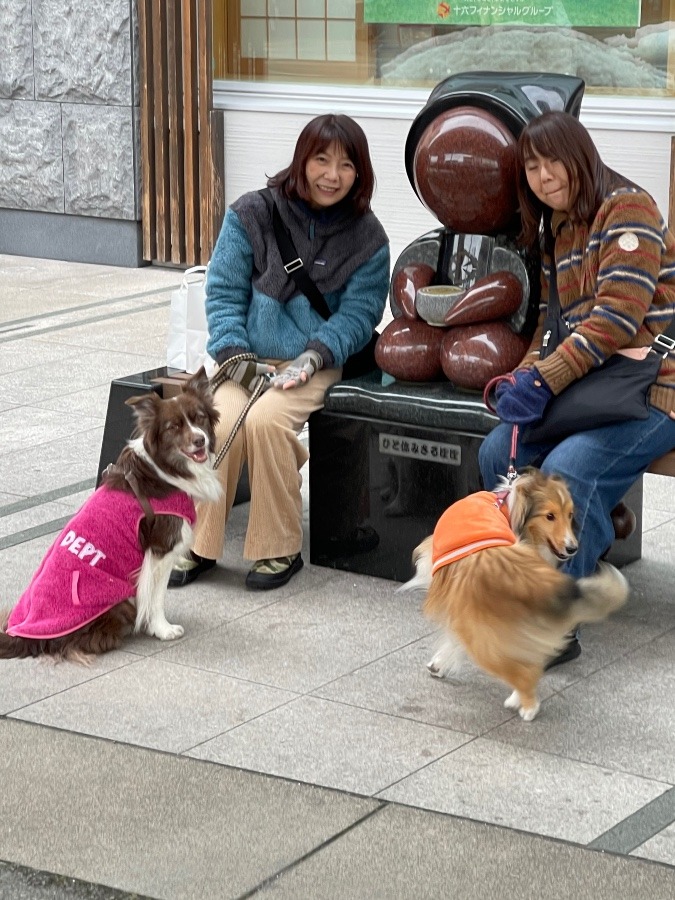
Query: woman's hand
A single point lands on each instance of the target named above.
(246, 371)
(299, 371)
(524, 401)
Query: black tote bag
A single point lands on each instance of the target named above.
(616, 391)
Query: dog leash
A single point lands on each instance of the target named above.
(511, 472)
(222, 376)
(132, 481)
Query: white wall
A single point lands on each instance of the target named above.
(633, 136)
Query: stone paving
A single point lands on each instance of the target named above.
(293, 742)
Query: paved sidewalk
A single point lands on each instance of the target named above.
(292, 743)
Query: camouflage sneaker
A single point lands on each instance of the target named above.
(266, 574)
(188, 568)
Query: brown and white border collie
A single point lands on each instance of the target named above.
(106, 573)
(506, 606)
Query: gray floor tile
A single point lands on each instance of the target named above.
(408, 855)
(26, 681)
(660, 848)
(34, 516)
(140, 333)
(91, 402)
(155, 824)
(29, 426)
(605, 643)
(20, 355)
(659, 492)
(18, 564)
(304, 641)
(654, 518)
(332, 745)
(55, 463)
(651, 583)
(537, 792)
(40, 383)
(619, 718)
(399, 684)
(154, 704)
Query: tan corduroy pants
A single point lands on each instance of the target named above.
(268, 441)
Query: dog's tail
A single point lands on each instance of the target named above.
(16, 647)
(101, 635)
(421, 581)
(600, 595)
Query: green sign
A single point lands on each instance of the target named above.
(581, 13)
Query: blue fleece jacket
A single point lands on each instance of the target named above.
(253, 305)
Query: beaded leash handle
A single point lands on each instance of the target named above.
(222, 376)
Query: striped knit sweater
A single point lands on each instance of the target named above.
(616, 282)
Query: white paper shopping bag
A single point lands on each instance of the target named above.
(188, 331)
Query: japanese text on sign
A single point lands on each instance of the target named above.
(414, 448)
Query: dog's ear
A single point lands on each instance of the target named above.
(144, 403)
(521, 499)
(145, 408)
(199, 383)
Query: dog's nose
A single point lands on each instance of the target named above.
(571, 549)
(199, 441)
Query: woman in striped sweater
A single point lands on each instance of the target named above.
(615, 263)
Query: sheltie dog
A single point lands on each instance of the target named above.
(106, 573)
(490, 573)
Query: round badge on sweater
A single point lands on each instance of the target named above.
(629, 241)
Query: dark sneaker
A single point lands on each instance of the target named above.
(266, 574)
(189, 568)
(623, 521)
(568, 653)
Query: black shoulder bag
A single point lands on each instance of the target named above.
(358, 364)
(616, 391)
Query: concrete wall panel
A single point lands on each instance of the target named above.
(31, 167)
(83, 51)
(98, 161)
(16, 50)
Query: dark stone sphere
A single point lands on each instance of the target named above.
(410, 350)
(495, 296)
(407, 282)
(465, 171)
(473, 354)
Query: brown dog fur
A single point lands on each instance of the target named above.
(508, 608)
(172, 448)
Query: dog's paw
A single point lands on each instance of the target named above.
(434, 668)
(528, 714)
(512, 701)
(165, 631)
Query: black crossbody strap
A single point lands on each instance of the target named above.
(553, 308)
(293, 265)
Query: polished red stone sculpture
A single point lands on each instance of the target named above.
(495, 296)
(473, 354)
(410, 350)
(464, 171)
(407, 282)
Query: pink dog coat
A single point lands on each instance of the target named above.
(471, 524)
(92, 564)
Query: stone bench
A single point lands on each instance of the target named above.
(389, 458)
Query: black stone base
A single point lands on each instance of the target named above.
(386, 460)
(359, 482)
